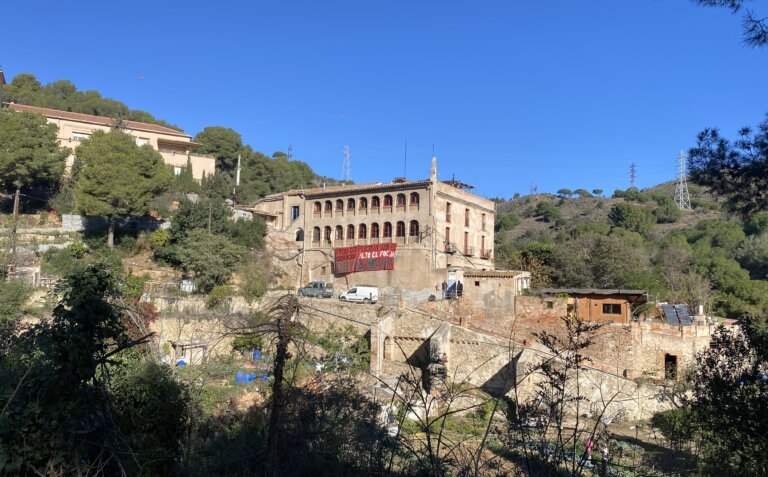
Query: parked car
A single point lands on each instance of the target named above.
(319, 288)
(361, 293)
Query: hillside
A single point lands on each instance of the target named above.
(640, 239)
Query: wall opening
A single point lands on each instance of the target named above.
(388, 348)
(670, 366)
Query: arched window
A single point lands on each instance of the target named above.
(401, 200)
(339, 232)
(300, 235)
(375, 204)
(350, 232)
(400, 230)
(374, 230)
(363, 203)
(351, 205)
(415, 198)
(339, 205)
(316, 234)
(363, 231)
(387, 200)
(414, 228)
(387, 230)
(328, 206)
(327, 233)
(318, 207)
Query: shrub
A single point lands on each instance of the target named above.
(630, 217)
(547, 211)
(667, 213)
(217, 296)
(211, 258)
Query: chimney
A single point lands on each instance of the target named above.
(433, 170)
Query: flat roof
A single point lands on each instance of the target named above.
(590, 291)
(493, 273)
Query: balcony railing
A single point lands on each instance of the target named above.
(176, 152)
(469, 251)
(485, 254)
(449, 247)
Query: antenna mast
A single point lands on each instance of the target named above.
(290, 152)
(346, 169)
(632, 171)
(682, 199)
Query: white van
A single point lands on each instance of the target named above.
(361, 293)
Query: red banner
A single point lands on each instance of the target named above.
(365, 258)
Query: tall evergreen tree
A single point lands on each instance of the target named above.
(118, 177)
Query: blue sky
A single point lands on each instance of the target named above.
(554, 93)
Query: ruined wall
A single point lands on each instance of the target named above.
(653, 340)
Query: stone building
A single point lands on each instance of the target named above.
(405, 235)
(175, 146)
(600, 305)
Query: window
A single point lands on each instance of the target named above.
(466, 217)
(400, 230)
(316, 234)
(448, 212)
(401, 200)
(294, 212)
(323, 270)
(477, 283)
(374, 230)
(467, 250)
(375, 204)
(387, 200)
(176, 170)
(363, 203)
(318, 207)
(300, 235)
(142, 141)
(351, 204)
(387, 230)
(77, 136)
(414, 228)
(339, 232)
(327, 234)
(415, 198)
(339, 205)
(328, 206)
(363, 231)
(447, 234)
(483, 222)
(350, 232)
(611, 308)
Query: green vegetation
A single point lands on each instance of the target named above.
(63, 95)
(118, 177)
(734, 170)
(30, 156)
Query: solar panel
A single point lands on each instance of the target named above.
(683, 315)
(670, 314)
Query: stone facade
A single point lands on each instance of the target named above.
(437, 227)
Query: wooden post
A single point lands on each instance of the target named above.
(14, 227)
